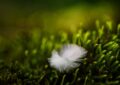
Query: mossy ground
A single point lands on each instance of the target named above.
(23, 61)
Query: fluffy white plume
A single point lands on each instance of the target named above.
(67, 58)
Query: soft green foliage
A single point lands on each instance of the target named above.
(25, 60)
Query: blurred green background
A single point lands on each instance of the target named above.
(25, 15)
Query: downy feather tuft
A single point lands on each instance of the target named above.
(67, 58)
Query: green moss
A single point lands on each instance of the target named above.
(25, 60)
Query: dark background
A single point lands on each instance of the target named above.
(16, 14)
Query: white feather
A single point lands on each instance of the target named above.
(66, 59)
